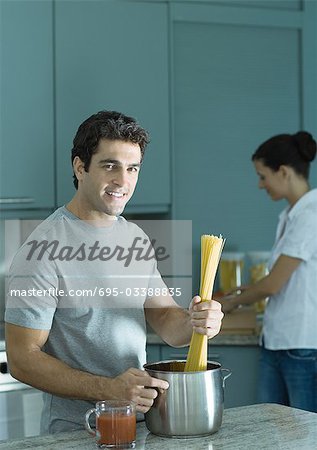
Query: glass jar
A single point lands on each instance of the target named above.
(258, 269)
(231, 268)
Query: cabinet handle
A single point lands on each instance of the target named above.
(11, 200)
(213, 355)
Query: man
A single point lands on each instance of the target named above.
(81, 349)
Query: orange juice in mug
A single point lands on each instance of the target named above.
(115, 423)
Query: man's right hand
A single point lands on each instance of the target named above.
(138, 386)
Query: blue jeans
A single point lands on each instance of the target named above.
(289, 377)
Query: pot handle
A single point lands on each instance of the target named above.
(227, 375)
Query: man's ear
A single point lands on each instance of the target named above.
(78, 167)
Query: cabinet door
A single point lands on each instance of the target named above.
(242, 361)
(236, 82)
(153, 353)
(181, 353)
(20, 413)
(172, 353)
(26, 125)
(113, 55)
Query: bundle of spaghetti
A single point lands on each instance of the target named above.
(211, 248)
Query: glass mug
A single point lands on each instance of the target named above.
(115, 423)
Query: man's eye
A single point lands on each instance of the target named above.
(109, 166)
(134, 169)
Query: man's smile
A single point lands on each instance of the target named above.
(114, 194)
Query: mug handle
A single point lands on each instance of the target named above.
(87, 424)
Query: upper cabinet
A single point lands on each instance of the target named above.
(114, 55)
(241, 73)
(209, 80)
(26, 124)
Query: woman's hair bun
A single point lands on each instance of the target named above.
(306, 145)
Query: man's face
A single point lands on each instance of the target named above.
(111, 178)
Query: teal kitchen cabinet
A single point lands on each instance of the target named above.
(26, 124)
(114, 55)
(241, 73)
(172, 353)
(240, 388)
(153, 353)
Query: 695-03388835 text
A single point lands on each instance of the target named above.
(98, 291)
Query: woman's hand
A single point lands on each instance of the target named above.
(227, 303)
(236, 291)
(230, 300)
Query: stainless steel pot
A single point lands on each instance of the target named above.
(193, 403)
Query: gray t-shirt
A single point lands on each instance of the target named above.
(87, 285)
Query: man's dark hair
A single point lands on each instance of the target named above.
(105, 125)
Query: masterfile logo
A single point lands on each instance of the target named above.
(140, 249)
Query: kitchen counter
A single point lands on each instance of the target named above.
(252, 427)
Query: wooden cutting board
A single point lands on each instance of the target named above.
(240, 321)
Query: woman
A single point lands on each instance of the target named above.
(288, 363)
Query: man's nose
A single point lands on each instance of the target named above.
(120, 177)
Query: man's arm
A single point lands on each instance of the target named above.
(29, 364)
(175, 325)
(267, 286)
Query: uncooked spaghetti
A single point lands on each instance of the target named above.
(211, 248)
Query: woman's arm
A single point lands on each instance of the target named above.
(267, 286)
